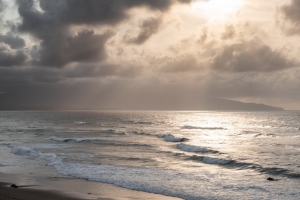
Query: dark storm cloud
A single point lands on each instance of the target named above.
(52, 26)
(15, 42)
(291, 14)
(83, 47)
(34, 75)
(28, 75)
(95, 12)
(9, 58)
(147, 29)
(2, 6)
(251, 56)
(58, 48)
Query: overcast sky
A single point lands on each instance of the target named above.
(132, 53)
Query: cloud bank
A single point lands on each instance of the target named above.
(137, 53)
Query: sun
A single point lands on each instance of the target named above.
(216, 9)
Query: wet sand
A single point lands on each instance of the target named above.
(66, 188)
(8, 193)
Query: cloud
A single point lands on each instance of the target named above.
(180, 64)
(100, 70)
(78, 55)
(279, 87)
(52, 26)
(203, 36)
(2, 6)
(229, 32)
(15, 42)
(85, 46)
(33, 75)
(10, 57)
(147, 29)
(251, 56)
(291, 14)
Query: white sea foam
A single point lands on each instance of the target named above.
(191, 148)
(170, 138)
(218, 161)
(197, 127)
(24, 151)
(80, 123)
(28, 151)
(190, 186)
(34, 127)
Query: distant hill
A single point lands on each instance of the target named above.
(175, 104)
(224, 104)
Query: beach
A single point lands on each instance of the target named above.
(61, 188)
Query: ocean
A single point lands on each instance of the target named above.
(187, 154)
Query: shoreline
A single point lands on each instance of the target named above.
(66, 188)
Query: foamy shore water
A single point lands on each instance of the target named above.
(192, 155)
(64, 188)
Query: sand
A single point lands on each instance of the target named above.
(66, 188)
(8, 193)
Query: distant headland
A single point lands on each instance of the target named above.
(199, 104)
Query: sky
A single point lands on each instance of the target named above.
(127, 54)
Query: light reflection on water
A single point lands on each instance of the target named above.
(224, 143)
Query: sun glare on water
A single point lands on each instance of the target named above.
(216, 9)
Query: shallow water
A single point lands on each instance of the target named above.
(190, 155)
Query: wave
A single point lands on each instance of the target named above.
(29, 152)
(80, 123)
(275, 171)
(203, 128)
(191, 186)
(37, 146)
(5, 165)
(191, 148)
(102, 140)
(143, 122)
(33, 128)
(57, 139)
(141, 179)
(137, 122)
(140, 133)
(218, 161)
(171, 138)
(243, 165)
(211, 160)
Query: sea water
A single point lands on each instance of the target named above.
(190, 155)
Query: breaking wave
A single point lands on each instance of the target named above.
(191, 148)
(56, 139)
(171, 138)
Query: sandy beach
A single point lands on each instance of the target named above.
(26, 193)
(59, 188)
